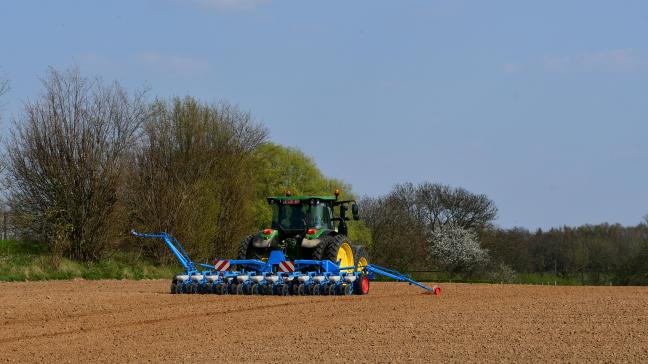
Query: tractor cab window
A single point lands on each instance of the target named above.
(289, 215)
(320, 216)
(292, 214)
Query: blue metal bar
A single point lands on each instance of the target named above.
(395, 275)
(175, 247)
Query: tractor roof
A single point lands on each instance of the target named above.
(301, 198)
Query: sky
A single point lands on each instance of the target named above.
(542, 106)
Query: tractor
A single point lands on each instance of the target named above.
(306, 251)
(308, 227)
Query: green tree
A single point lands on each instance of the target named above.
(191, 176)
(278, 169)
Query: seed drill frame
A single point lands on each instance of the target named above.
(276, 276)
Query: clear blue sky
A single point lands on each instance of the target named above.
(543, 105)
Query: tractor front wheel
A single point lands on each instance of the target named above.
(361, 256)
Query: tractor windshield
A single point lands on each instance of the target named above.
(292, 214)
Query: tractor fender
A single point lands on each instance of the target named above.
(310, 243)
(260, 242)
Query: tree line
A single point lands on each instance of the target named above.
(441, 228)
(86, 161)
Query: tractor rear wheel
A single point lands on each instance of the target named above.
(248, 251)
(335, 248)
(320, 249)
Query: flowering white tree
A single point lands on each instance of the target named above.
(456, 248)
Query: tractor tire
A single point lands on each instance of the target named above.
(360, 256)
(247, 251)
(320, 249)
(333, 248)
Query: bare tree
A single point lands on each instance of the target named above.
(411, 217)
(398, 238)
(193, 176)
(66, 162)
(438, 205)
(4, 88)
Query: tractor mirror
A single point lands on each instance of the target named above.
(355, 211)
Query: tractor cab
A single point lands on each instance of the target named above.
(305, 227)
(297, 214)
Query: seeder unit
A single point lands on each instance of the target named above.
(276, 276)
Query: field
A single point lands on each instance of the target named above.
(115, 321)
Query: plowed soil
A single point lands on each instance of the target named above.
(135, 321)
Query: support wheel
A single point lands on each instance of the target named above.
(347, 289)
(361, 284)
(218, 289)
(331, 290)
(239, 289)
(173, 287)
(284, 290)
(315, 291)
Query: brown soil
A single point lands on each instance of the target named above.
(116, 321)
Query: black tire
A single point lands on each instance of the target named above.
(239, 289)
(330, 290)
(284, 291)
(359, 251)
(358, 285)
(173, 287)
(348, 289)
(247, 251)
(329, 246)
(320, 249)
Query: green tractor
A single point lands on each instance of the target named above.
(306, 227)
